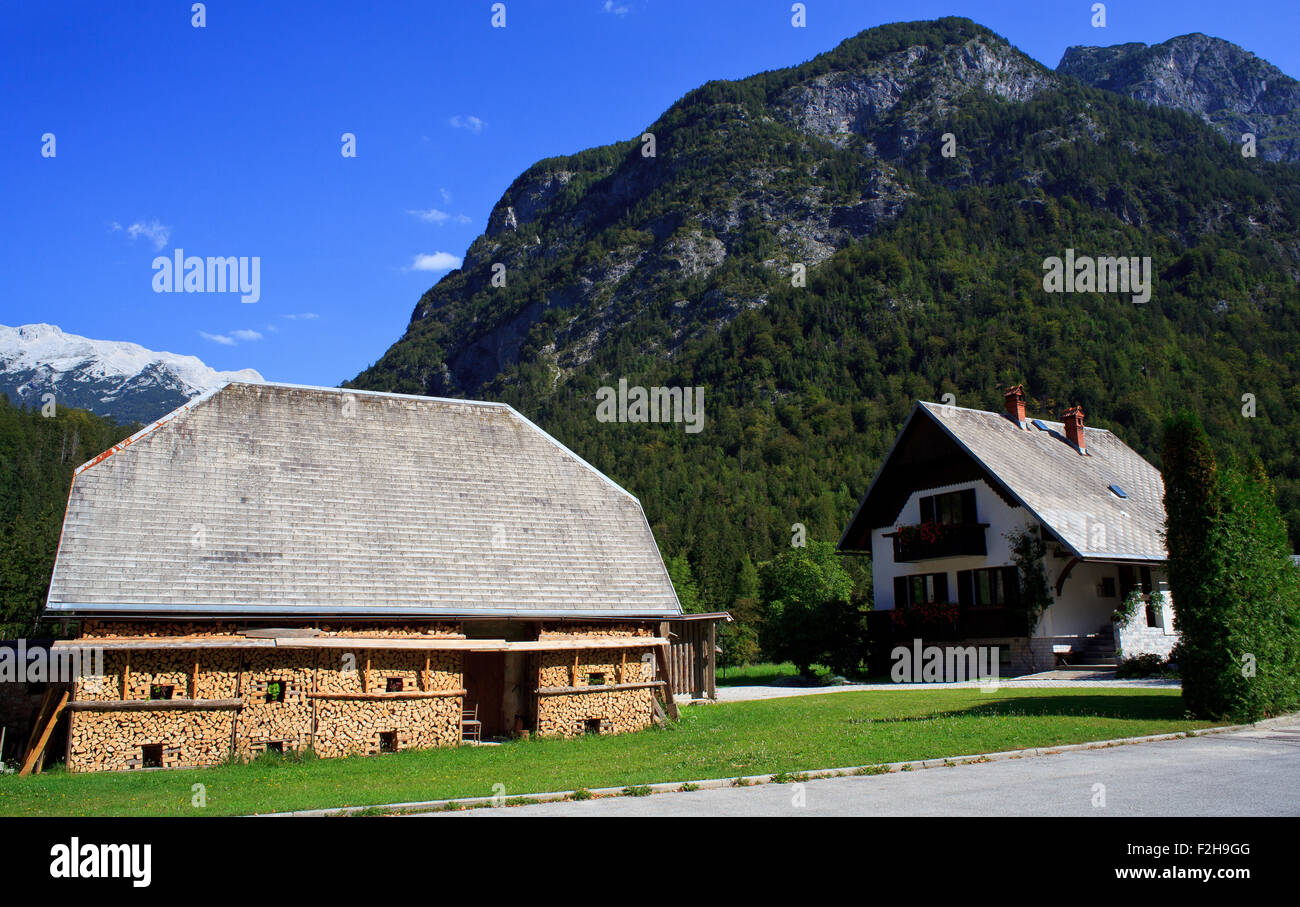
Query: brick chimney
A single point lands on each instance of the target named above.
(1014, 404)
(1074, 428)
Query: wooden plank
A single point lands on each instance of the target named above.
(432, 644)
(712, 676)
(599, 688)
(471, 645)
(194, 679)
(661, 657)
(154, 705)
(126, 673)
(144, 644)
(405, 694)
(39, 750)
(42, 716)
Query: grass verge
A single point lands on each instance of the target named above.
(723, 741)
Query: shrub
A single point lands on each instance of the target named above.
(1148, 665)
(1237, 595)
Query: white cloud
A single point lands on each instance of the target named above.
(472, 123)
(438, 261)
(155, 232)
(232, 338)
(302, 316)
(434, 216)
(610, 7)
(446, 196)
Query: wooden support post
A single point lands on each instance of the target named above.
(712, 666)
(622, 666)
(126, 673)
(365, 678)
(37, 752)
(194, 678)
(670, 704)
(426, 679)
(573, 672)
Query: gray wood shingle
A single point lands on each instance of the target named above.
(277, 499)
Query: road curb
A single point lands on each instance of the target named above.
(666, 787)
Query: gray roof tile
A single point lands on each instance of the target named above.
(277, 499)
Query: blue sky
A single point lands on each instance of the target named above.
(225, 140)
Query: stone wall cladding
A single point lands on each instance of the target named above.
(1139, 639)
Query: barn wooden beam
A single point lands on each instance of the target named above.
(670, 704)
(44, 728)
(154, 705)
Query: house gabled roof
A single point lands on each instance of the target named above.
(1037, 468)
(279, 500)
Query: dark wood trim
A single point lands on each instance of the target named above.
(599, 688)
(147, 705)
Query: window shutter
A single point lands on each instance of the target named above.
(968, 506)
(965, 588)
(927, 509)
(1011, 586)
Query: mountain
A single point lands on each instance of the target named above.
(924, 277)
(1227, 87)
(122, 381)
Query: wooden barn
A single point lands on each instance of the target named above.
(273, 567)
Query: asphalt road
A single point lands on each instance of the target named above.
(1243, 773)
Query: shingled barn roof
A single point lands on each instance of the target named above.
(1036, 467)
(275, 500)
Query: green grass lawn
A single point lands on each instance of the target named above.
(711, 741)
(757, 674)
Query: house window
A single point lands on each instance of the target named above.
(393, 685)
(161, 690)
(953, 508)
(1131, 578)
(275, 690)
(596, 679)
(1154, 617)
(1106, 588)
(151, 755)
(993, 587)
(920, 589)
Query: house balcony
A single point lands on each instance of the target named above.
(942, 623)
(927, 541)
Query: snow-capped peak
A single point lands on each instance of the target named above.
(37, 345)
(113, 378)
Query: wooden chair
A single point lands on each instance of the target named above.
(471, 728)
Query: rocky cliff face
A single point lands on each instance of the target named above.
(1227, 87)
(748, 179)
